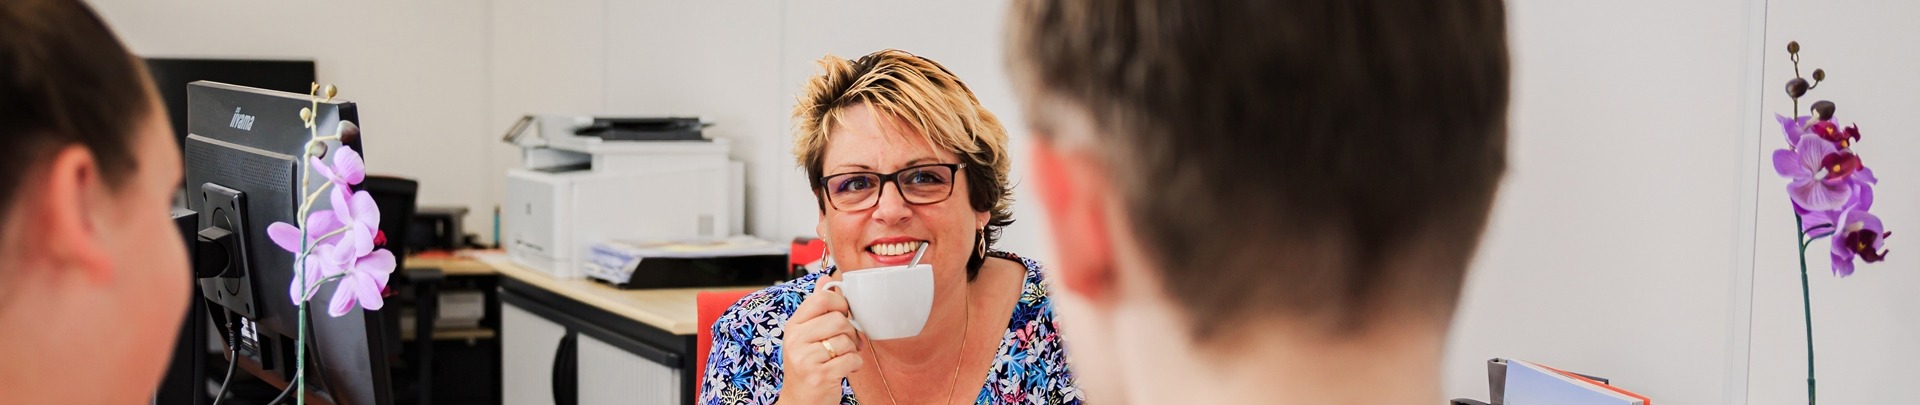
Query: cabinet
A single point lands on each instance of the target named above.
(555, 350)
(609, 375)
(527, 346)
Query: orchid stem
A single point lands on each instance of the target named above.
(306, 178)
(315, 288)
(1806, 300)
(311, 197)
(308, 250)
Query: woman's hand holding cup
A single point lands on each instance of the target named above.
(818, 349)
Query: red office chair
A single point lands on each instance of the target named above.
(709, 305)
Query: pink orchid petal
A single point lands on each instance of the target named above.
(1818, 195)
(334, 259)
(342, 210)
(311, 275)
(1842, 266)
(364, 209)
(321, 223)
(358, 242)
(285, 235)
(293, 286)
(1866, 175)
(342, 301)
(365, 291)
(1812, 150)
(1866, 220)
(321, 169)
(1787, 164)
(1791, 127)
(348, 165)
(378, 266)
(1813, 219)
(1862, 196)
(353, 242)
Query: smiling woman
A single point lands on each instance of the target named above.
(888, 140)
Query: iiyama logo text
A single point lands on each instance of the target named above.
(241, 121)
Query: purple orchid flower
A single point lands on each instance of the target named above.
(319, 223)
(365, 277)
(287, 237)
(317, 268)
(1793, 127)
(360, 215)
(1821, 174)
(347, 170)
(1860, 234)
(351, 253)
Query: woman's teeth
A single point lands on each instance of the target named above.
(893, 249)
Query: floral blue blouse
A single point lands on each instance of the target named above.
(744, 366)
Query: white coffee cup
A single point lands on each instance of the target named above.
(888, 302)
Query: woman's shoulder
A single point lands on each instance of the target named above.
(771, 305)
(1035, 289)
(1032, 359)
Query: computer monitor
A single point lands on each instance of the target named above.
(171, 76)
(185, 382)
(243, 155)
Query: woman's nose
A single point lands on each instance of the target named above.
(892, 207)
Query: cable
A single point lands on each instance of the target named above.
(299, 376)
(233, 358)
(289, 390)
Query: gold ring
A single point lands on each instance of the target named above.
(829, 346)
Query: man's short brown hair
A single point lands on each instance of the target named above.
(1288, 156)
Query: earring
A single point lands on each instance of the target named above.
(826, 257)
(981, 236)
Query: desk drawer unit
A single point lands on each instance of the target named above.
(556, 350)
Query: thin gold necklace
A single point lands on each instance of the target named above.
(966, 321)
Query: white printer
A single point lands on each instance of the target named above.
(578, 189)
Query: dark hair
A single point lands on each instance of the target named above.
(1286, 156)
(926, 96)
(65, 79)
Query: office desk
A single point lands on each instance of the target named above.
(584, 342)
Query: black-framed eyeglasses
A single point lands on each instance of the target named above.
(918, 185)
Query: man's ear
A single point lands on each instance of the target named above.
(1072, 191)
(68, 202)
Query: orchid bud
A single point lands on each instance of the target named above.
(349, 132)
(1823, 110)
(1796, 87)
(316, 149)
(1819, 74)
(306, 115)
(335, 90)
(1793, 46)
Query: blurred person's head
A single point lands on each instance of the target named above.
(93, 277)
(1259, 173)
(891, 112)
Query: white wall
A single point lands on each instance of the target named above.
(417, 69)
(1864, 325)
(1611, 246)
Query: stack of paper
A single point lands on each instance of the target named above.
(1533, 384)
(615, 261)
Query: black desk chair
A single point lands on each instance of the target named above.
(398, 199)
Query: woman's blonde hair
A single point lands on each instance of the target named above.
(925, 96)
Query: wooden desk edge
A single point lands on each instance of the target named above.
(578, 290)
